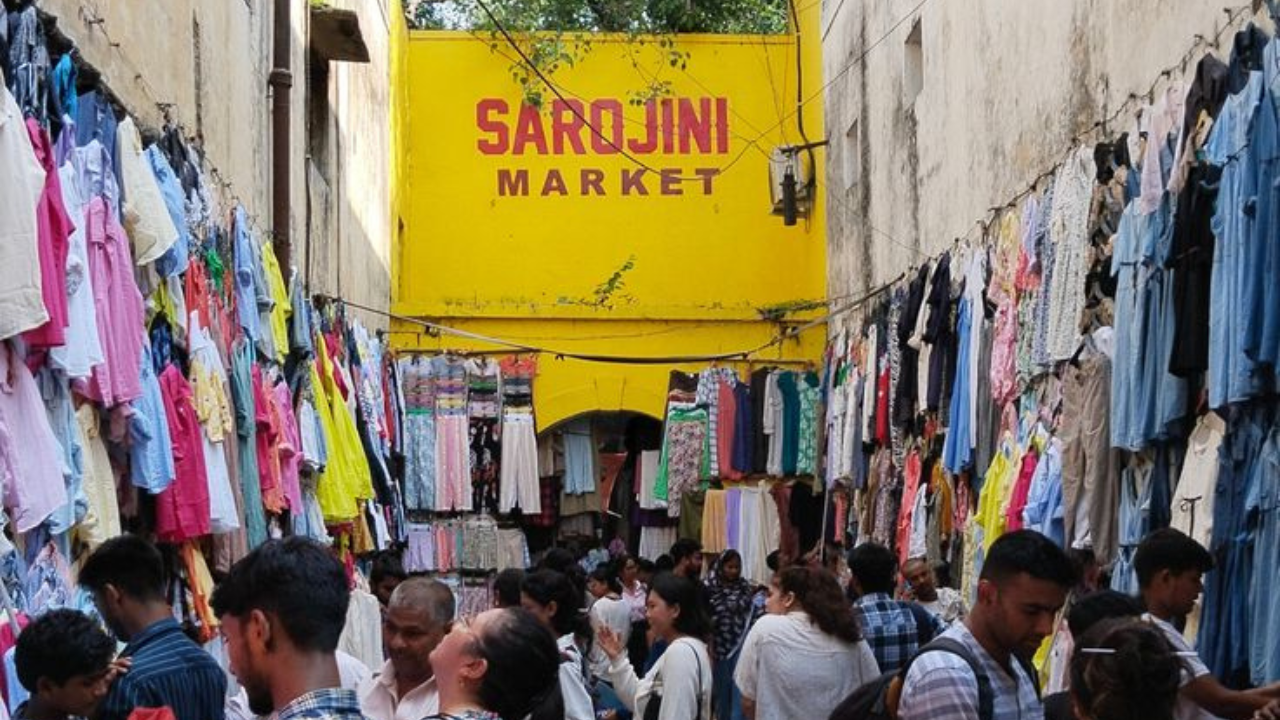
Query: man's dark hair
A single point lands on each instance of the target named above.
(60, 645)
(558, 559)
(1102, 605)
(873, 566)
(664, 563)
(547, 586)
(387, 565)
(1171, 550)
(1027, 552)
(299, 581)
(506, 586)
(774, 560)
(607, 574)
(128, 563)
(683, 548)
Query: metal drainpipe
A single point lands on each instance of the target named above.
(281, 80)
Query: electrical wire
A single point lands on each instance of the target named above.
(747, 354)
(507, 37)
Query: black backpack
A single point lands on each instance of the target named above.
(878, 699)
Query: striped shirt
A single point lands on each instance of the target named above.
(941, 686)
(168, 671)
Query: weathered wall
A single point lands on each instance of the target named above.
(206, 63)
(1007, 85)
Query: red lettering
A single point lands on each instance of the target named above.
(707, 175)
(498, 129)
(633, 180)
(671, 182)
(599, 108)
(650, 142)
(592, 182)
(668, 126)
(695, 125)
(513, 183)
(554, 184)
(529, 130)
(722, 125)
(565, 123)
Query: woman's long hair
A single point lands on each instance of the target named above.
(522, 679)
(818, 592)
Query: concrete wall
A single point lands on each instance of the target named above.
(1006, 87)
(206, 63)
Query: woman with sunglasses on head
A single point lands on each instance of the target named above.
(678, 686)
(503, 665)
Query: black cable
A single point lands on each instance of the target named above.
(812, 181)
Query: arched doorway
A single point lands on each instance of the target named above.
(588, 464)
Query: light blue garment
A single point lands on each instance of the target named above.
(1135, 505)
(151, 453)
(1232, 375)
(1224, 637)
(241, 382)
(1262, 318)
(1262, 508)
(61, 410)
(300, 334)
(579, 459)
(1165, 394)
(246, 290)
(266, 336)
(957, 451)
(17, 693)
(1044, 512)
(1125, 369)
(420, 460)
(175, 259)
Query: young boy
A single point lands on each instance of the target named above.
(64, 660)
(1170, 568)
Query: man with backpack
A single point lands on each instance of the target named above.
(980, 669)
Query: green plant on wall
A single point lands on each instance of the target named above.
(556, 34)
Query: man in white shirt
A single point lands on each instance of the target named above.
(418, 616)
(946, 604)
(1170, 568)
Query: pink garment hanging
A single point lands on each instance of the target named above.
(54, 229)
(182, 509)
(119, 306)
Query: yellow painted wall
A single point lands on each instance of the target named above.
(527, 268)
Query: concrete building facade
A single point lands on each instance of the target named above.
(939, 111)
(205, 65)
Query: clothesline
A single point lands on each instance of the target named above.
(742, 355)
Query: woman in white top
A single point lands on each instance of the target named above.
(556, 601)
(609, 610)
(634, 592)
(801, 660)
(678, 686)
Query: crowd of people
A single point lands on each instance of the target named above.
(832, 636)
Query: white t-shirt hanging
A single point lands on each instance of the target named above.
(21, 300)
(146, 218)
